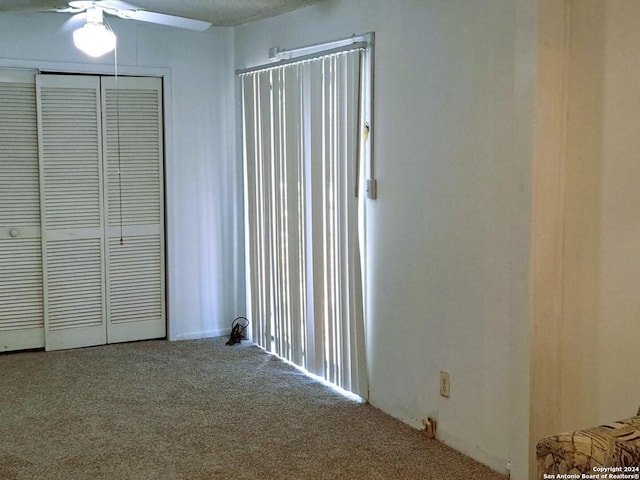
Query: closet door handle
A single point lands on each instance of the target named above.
(14, 233)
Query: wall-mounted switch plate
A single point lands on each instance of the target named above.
(445, 386)
(372, 188)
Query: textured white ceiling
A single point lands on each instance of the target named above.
(218, 12)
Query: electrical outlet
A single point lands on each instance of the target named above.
(445, 386)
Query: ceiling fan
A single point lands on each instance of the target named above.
(95, 38)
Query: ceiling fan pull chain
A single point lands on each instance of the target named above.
(115, 56)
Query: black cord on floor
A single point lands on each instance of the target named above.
(238, 328)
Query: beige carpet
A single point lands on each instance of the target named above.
(198, 410)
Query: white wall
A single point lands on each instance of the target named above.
(547, 220)
(205, 282)
(587, 240)
(449, 234)
(600, 358)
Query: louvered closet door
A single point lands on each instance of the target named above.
(21, 301)
(72, 210)
(132, 133)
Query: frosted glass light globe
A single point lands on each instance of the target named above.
(94, 39)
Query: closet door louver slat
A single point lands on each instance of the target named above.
(74, 285)
(21, 300)
(21, 303)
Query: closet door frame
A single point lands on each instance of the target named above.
(164, 74)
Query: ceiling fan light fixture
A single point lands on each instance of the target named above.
(94, 39)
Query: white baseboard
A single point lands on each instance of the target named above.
(221, 332)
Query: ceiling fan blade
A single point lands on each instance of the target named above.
(115, 5)
(31, 5)
(74, 22)
(70, 10)
(163, 19)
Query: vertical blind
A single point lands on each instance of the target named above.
(301, 152)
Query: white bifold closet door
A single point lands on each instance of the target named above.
(72, 210)
(133, 146)
(101, 206)
(21, 301)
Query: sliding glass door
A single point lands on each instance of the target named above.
(302, 178)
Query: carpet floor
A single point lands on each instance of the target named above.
(198, 410)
